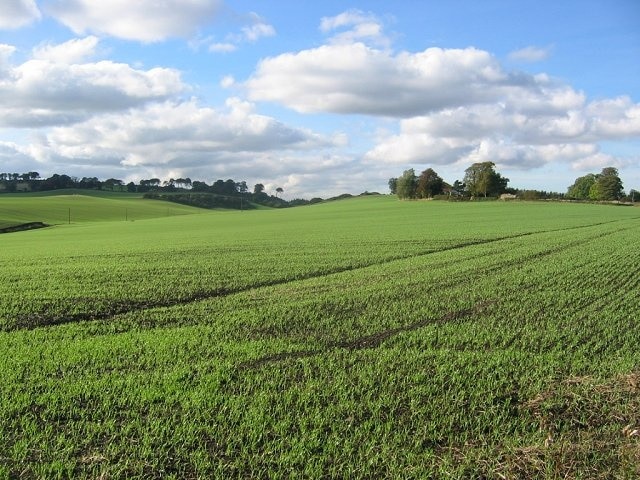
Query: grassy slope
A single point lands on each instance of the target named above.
(86, 207)
(364, 338)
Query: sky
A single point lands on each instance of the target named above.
(320, 98)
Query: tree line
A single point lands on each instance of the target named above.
(482, 180)
(228, 193)
(31, 181)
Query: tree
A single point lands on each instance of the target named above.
(218, 187)
(406, 184)
(607, 186)
(604, 186)
(581, 188)
(458, 187)
(429, 184)
(90, 182)
(279, 190)
(230, 187)
(113, 184)
(198, 186)
(393, 183)
(241, 187)
(481, 178)
(258, 188)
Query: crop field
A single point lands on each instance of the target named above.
(80, 208)
(364, 338)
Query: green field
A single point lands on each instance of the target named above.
(365, 338)
(54, 208)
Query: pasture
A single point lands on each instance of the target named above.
(365, 338)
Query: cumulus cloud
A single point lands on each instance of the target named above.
(454, 106)
(172, 133)
(172, 138)
(17, 13)
(615, 118)
(530, 54)
(55, 86)
(143, 20)
(509, 135)
(356, 78)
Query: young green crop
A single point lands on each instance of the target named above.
(369, 338)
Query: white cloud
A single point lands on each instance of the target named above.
(597, 161)
(73, 51)
(356, 26)
(179, 134)
(255, 29)
(5, 54)
(17, 13)
(143, 20)
(53, 89)
(172, 139)
(454, 106)
(355, 78)
(227, 81)
(530, 54)
(258, 29)
(615, 118)
(508, 136)
(225, 47)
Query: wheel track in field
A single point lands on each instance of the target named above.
(33, 321)
(373, 340)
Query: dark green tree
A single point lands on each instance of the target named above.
(458, 187)
(393, 183)
(198, 186)
(607, 186)
(482, 179)
(429, 184)
(581, 188)
(242, 187)
(406, 184)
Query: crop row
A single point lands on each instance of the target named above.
(97, 277)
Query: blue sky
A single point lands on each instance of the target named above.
(320, 98)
